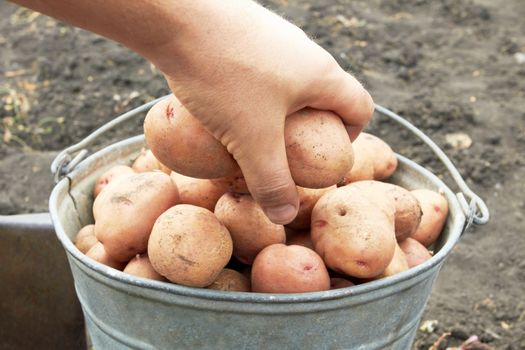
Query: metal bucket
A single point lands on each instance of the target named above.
(123, 311)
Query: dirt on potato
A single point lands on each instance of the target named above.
(454, 68)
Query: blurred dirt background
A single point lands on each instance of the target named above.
(455, 68)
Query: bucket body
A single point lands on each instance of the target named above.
(124, 311)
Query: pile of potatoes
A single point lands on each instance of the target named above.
(182, 213)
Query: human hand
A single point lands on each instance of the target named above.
(237, 67)
(241, 69)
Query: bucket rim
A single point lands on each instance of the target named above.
(254, 297)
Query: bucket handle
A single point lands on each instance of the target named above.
(473, 206)
(64, 162)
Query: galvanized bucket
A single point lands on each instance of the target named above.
(126, 312)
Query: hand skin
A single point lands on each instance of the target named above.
(237, 67)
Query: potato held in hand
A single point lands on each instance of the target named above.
(181, 142)
(189, 246)
(318, 148)
(127, 209)
(289, 269)
(234, 183)
(353, 233)
(250, 228)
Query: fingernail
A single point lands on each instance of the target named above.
(281, 215)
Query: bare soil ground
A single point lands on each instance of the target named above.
(455, 68)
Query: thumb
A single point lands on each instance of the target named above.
(262, 159)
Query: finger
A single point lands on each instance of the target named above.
(262, 158)
(345, 96)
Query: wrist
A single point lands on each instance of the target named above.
(192, 29)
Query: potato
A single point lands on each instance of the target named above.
(200, 192)
(318, 148)
(415, 252)
(86, 238)
(146, 161)
(109, 176)
(235, 183)
(408, 211)
(385, 161)
(189, 246)
(289, 269)
(338, 282)
(307, 199)
(250, 228)
(373, 159)
(353, 233)
(140, 266)
(435, 211)
(99, 254)
(127, 209)
(181, 142)
(231, 280)
(397, 264)
(300, 238)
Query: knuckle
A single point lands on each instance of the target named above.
(360, 103)
(330, 68)
(366, 106)
(300, 32)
